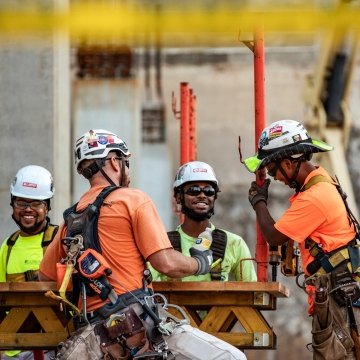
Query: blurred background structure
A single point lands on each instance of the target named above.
(68, 66)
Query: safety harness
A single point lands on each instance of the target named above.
(131, 323)
(30, 275)
(217, 247)
(326, 262)
(82, 234)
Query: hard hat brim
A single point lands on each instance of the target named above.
(254, 163)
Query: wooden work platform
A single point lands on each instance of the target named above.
(228, 310)
(28, 319)
(232, 309)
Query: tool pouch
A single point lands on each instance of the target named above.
(331, 335)
(123, 335)
(83, 344)
(344, 286)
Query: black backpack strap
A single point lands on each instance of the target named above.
(218, 244)
(69, 211)
(175, 239)
(90, 230)
(97, 203)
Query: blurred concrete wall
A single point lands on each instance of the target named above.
(34, 117)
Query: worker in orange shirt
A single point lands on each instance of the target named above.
(319, 221)
(109, 235)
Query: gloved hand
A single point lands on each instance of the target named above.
(258, 193)
(204, 259)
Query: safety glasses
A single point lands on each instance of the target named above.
(34, 205)
(272, 172)
(196, 190)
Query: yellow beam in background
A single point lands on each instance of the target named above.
(192, 25)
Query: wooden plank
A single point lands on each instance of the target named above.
(48, 319)
(218, 298)
(24, 341)
(274, 288)
(244, 340)
(215, 319)
(26, 299)
(14, 319)
(251, 320)
(28, 286)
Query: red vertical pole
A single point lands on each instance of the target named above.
(38, 354)
(184, 123)
(262, 250)
(193, 139)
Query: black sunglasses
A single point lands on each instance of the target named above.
(196, 190)
(272, 172)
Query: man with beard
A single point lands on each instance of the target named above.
(21, 252)
(319, 220)
(195, 191)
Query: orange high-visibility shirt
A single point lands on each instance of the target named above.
(318, 213)
(130, 230)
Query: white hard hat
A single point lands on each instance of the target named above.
(33, 182)
(195, 171)
(96, 144)
(283, 139)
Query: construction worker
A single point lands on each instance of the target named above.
(319, 221)
(21, 252)
(195, 190)
(127, 232)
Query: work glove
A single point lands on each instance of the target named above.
(258, 193)
(204, 259)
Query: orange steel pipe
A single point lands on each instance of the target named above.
(262, 249)
(193, 138)
(184, 123)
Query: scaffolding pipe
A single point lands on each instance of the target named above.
(192, 130)
(262, 250)
(184, 123)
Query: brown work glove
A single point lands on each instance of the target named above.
(258, 193)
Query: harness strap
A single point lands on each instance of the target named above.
(316, 179)
(217, 247)
(327, 262)
(175, 239)
(85, 223)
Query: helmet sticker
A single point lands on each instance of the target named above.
(199, 170)
(263, 141)
(92, 137)
(102, 140)
(275, 131)
(297, 138)
(28, 184)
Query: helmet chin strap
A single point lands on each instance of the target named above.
(107, 177)
(122, 180)
(292, 181)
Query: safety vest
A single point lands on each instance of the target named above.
(218, 247)
(29, 275)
